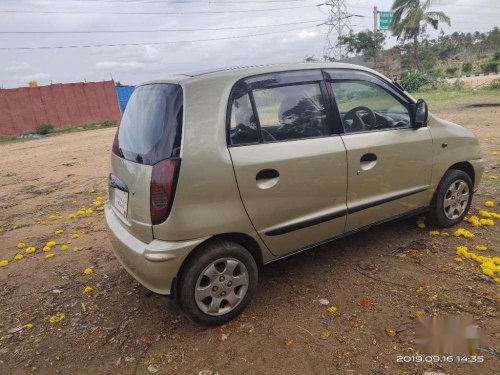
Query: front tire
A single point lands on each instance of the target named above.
(217, 282)
(453, 198)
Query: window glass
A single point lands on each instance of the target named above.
(151, 126)
(290, 112)
(365, 106)
(243, 127)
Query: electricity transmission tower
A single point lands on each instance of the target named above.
(338, 23)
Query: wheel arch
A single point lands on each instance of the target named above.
(463, 166)
(242, 239)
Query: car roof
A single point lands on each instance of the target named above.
(246, 71)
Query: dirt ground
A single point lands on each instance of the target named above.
(380, 281)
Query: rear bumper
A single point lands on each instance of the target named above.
(154, 264)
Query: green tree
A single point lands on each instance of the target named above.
(410, 19)
(310, 58)
(367, 42)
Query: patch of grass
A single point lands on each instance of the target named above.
(44, 129)
(442, 99)
(57, 131)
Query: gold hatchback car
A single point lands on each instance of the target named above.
(216, 173)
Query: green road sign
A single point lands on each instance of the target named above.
(385, 19)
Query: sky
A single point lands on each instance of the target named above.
(234, 33)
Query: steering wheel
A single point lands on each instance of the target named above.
(358, 124)
(267, 136)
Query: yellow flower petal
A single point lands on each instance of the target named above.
(489, 203)
(49, 255)
(88, 289)
(288, 342)
(51, 243)
(71, 216)
(88, 271)
(420, 314)
(46, 248)
(324, 335)
(480, 247)
(4, 263)
(331, 309)
(29, 325)
(19, 257)
(421, 225)
(75, 235)
(57, 318)
(58, 231)
(30, 250)
(390, 332)
(64, 247)
(21, 245)
(89, 211)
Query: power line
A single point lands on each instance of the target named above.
(153, 13)
(153, 43)
(186, 1)
(158, 30)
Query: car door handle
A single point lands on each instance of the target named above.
(267, 178)
(367, 162)
(368, 157)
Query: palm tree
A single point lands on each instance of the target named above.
(407, 20)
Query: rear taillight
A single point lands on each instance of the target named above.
(162, 189)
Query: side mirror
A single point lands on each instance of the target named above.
(420, 114)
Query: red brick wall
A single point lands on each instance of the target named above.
(63, 105)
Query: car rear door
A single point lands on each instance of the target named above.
(290, 167)
(389, 161)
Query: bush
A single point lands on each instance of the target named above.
(451, 70)
(495, 84)
(44, 129)
(467, 67)
(490, 67)
(496, 56)
(414, 80)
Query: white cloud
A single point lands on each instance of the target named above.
(17, 66)
(305, 34)
(40, 76)
(125, 65)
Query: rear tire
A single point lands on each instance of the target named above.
(453, 198)
(217, 282)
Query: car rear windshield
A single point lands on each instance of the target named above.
(151, 126)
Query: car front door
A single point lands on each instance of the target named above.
(389, 161)
(290, 168)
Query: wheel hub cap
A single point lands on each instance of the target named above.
(456, 199)
(221, 286)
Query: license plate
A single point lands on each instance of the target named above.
(121, 201)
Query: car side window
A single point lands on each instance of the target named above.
(365, 106)
(242, 127)
(290, 112)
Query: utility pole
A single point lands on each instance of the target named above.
(337, 22)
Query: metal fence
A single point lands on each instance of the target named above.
(23, 109)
